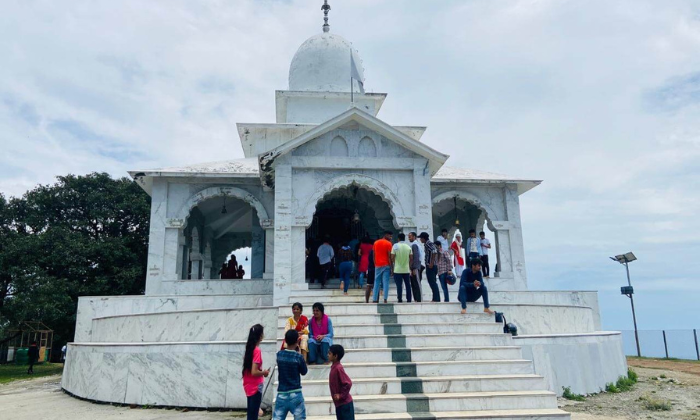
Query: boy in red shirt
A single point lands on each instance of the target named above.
(340, 384)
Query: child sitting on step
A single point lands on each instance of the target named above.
(291, 366)
(340, 384)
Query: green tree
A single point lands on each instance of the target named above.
(82, 236)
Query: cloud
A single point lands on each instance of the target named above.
(598, 99)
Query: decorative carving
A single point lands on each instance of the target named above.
(183, 212)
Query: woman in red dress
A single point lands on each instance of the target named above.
(363, 252)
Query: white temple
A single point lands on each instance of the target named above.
(329, 166)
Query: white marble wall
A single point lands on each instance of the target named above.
(91, 307)
(584, 362)
(184, 326)
(162, 374)
(213, 287)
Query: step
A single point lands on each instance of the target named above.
(430, 384)
(334, 308)
(538, 414)
(425, 368)
(421, 340)
(432, 354)
(404, 318)
(454, 401)
(412, 328)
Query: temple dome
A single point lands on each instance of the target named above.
(322, 63)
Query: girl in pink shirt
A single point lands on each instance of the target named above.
(253, 375)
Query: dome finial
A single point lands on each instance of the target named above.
(326, 8)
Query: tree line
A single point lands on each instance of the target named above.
(82, 236)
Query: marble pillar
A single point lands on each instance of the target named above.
(283, 235)
(515, 236)
(257, 246)
(423, 205)
(269, 253)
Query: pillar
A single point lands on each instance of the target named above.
(283, 235)
(269, 252)
(517, 246)
(257, 249)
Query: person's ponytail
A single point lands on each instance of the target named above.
(254, 336)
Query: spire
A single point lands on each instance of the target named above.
(326, 8)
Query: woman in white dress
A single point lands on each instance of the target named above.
(457, 254)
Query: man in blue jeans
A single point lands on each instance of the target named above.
(430, 264)
(382, 265)
(472, 287)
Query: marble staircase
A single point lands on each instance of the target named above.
(423, 361)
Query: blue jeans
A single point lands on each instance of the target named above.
(345, 270)
(432, 282)
(345, 412)
(361, 279)
(403, 279)
(292, 402)
(381, 280)
(318, 352)
(443, 283)
(469, 293)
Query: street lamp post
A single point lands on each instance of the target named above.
(628, 291)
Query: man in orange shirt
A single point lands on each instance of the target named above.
(382, 265)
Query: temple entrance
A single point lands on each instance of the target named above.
(458, 214)
(222, 240)
(344, 217)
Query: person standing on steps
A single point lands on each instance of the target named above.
(291, 366)
(444, 269)
(443, 240)
(485, 246)
(416, 266)
(363, 254)
(401, 259)
(382, 265)
(33, 354)
(340, 384)
(472, 287)
(456, 250)
(473, 246)
(320, 335)
(253, 374)
(370, 275)
(345, 267)
(325, 255)
(430, 264)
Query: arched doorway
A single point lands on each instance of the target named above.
(345, 216)
(218, 227)
(453, 212)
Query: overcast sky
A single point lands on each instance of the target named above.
(599, 99)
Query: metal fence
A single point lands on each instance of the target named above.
(679, 344)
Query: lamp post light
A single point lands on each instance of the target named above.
(628, 291)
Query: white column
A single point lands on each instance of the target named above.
(283, 235)
(517, 246)
(269, 252)
(423, 197)
(257, 249)
(157, 236)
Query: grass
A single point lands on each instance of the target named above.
(571, 396)
(623, 383)
(12, 372)
(655, 404)
(663, 359)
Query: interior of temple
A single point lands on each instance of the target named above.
(216, 228)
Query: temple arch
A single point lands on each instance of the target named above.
(357, 180)
(184, 211)
(367, 148)
(339, 147)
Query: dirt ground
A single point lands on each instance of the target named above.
(42, 398)
(677, 382)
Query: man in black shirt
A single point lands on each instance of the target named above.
(33, 355)
(472, 287)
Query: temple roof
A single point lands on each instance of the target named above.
(249, 168)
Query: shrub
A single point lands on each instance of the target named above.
(632, 375)
(571, 396)
(611, 388)
(624, 384)
(655, 404)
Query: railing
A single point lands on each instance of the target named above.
(678, 344)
